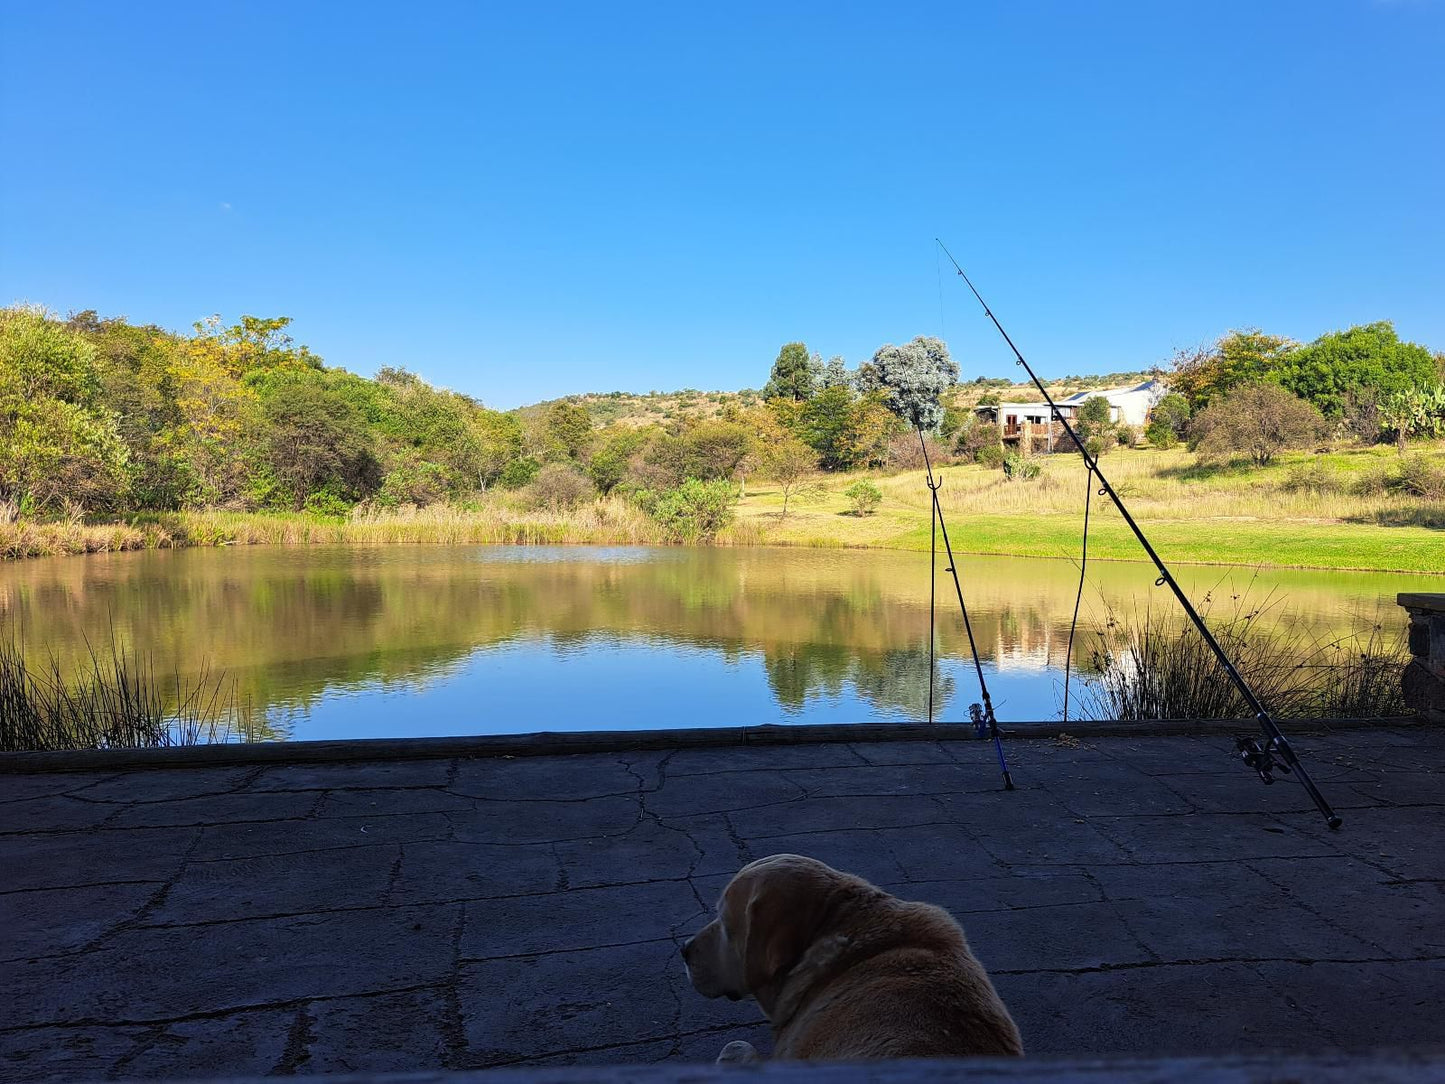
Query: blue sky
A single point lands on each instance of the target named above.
(526, 200)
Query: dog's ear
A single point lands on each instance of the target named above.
(785, 910)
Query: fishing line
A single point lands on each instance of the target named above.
(1276, 753)
(984, 721)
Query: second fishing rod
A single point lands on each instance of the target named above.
(1262, 758)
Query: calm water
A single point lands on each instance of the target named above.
(400, 640)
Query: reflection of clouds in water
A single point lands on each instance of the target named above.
(557, 555)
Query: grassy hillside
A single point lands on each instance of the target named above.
(661, 408)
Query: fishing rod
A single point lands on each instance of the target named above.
(984, 721)
(1276, 753)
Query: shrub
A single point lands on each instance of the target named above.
(1017, 468)
(1256, 420)
(693, 512)
(1312, 476)
(1419, 477)
(972, 440)
(903, 452)
(864, 496)
(1156, 666)
(560, 488)
(1372, 483)
(990, 455)
(1127, 435)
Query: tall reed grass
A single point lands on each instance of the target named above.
(1157, 666)
(110, 701)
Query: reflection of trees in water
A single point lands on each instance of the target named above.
(894, 681)
(290, 624)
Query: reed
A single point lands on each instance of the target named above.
(1155, 665)
(111, 700)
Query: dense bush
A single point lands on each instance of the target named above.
(693, 512)
(559, 487)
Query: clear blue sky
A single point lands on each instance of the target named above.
(525, 200)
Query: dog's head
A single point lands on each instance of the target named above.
(768, 917)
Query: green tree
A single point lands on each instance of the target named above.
(1167, 421)
(1240, 357)
(1093, 422)
(696, 510)
(790, 463)
(1258, 420)
(1371, 356)
(566, 432)
(317, 444)
(609, 465)
(58, 442)
(864, 496)
(795, 375)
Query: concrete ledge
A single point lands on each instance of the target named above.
(1338, 1069)
(1426, 601)
(560, 743)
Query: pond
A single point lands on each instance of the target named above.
(342, 642)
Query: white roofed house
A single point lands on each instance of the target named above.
(1032, 425)
(1128, 406)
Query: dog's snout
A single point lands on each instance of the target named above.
(687, 947)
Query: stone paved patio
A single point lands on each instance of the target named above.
(1135, 896)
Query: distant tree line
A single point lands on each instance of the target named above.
(103, 416)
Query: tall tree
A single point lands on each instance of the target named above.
(795, 374)
(915, 376)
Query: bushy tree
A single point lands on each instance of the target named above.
(560, 487)
(566, 432)
(1257, 420)
(864, 497)
(1342, 363)
(1094, 425)
(609, 465)
(694, 511)
(795, 375)
(58, 441)
(316, 441)
(1167, 421)
(1240, 357)
(914, 376)
(847, 430)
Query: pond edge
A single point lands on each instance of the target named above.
(562, 743)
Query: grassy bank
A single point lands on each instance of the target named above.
(1330, 511)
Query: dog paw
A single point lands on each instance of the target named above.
(738, 1052)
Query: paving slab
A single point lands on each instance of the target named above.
(1134, 896)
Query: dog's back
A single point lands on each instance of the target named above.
(922, 996)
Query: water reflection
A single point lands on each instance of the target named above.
(432, 640)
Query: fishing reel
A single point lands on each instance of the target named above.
(1261, 758)
(979, 720)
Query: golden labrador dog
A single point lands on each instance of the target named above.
(845, 971)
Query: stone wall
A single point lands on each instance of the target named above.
(1425, 676)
